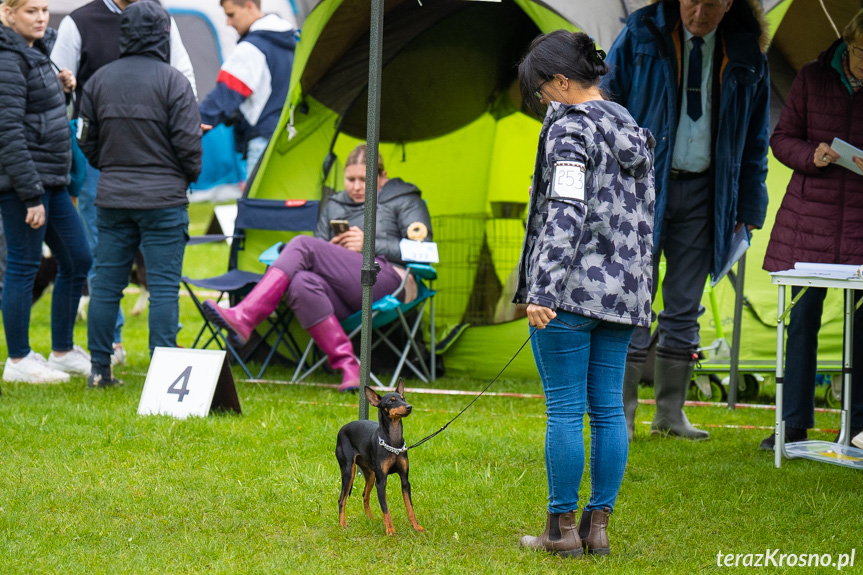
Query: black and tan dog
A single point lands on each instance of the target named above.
(379, 450)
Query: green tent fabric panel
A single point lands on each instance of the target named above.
(512, 158)
(293, 168)
(452, 170)
(544, 18)
(481, 352)
(309, 34)
(775, 16)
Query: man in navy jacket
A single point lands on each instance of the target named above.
(694, 72)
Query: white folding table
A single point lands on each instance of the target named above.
(824, 276)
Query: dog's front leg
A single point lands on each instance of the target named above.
(381, 485)
(406, 495)
(367, 492)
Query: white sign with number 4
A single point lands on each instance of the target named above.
(181, 382)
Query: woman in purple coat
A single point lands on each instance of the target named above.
(821, 216)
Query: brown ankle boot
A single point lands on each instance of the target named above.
(567, 544)
(592, 529)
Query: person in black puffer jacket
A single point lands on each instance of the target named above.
(35, 155)
(139, 125)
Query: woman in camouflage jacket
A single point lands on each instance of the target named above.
(585, 273)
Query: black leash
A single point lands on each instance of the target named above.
(426, 438)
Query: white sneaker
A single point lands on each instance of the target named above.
(119, 355)
(858, 440)
(33, 369)
(75, 361)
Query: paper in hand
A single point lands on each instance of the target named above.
(846, 151)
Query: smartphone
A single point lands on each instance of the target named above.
(339, 226)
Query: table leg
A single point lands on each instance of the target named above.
(847, 361)
(779, 439)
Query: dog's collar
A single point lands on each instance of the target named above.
(390, 448)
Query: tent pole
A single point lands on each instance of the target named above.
(370, 267)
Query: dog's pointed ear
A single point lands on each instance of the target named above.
(372, 396)
(400, 387)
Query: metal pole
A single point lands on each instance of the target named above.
(370, 267)
(734, 374)
(779, 431)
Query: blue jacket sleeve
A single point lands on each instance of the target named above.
(618, 81)
(221, 106)
(752, 191)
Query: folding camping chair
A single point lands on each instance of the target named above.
(389, 316)
(252, 214)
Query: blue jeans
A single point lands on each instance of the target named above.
(255, 148)
(87, 209)
(161, 236)
(801, 354)
(65, 236)
(581, 362)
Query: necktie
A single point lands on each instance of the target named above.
(693, 84)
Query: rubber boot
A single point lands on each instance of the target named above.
(560, 536)
(334, 342)
(631, 379)
(593, 530)
(242, 319)
(674, 368)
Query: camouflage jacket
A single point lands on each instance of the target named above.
(589, 240)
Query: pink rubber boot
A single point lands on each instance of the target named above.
(334, 342)
(242, 319)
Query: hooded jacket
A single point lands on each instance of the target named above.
(400, 204)
(139, 119)
(591, 253)
(35, 147)
(821, 216)
(645, 78)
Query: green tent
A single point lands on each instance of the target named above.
(451, 122)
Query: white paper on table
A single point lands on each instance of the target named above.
(827, 271)
(846, 151)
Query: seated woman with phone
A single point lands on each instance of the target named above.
(320, 276)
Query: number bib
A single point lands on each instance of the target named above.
(568, 181)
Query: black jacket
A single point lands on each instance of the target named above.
(400, 204)
(139, 119)
(35, 141)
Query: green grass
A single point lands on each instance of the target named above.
(88, 486)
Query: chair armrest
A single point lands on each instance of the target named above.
(423, 271)
(207, 239)
(269, 255)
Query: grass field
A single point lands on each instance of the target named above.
(88, 486)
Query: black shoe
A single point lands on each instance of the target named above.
(792, 435)
(102, 377)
